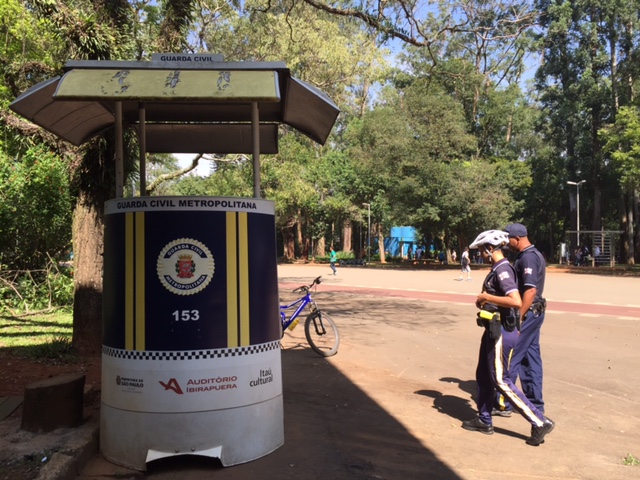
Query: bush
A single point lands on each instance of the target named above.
(395, 259)
(35, 208)
(339, 254)
(32, 290)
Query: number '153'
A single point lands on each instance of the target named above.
(186, 315)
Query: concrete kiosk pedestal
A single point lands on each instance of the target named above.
(191, 334)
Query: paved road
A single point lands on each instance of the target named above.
(586, 295)
(566, 293)
(390, 404)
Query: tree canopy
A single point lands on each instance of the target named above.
(438, 128)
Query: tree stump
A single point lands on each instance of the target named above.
(53, 403)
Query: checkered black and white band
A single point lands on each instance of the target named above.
(189, 354)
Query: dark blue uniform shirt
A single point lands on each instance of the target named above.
(501, 281)
(530, 267)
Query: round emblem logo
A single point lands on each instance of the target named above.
(185, 266)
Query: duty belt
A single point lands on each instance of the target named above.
(493, 321)
(538, 307)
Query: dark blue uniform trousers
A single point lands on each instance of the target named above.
(526, 360)
(492, 374)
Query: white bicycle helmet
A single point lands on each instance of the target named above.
(495, 238)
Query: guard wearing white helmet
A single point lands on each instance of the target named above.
(499, 302)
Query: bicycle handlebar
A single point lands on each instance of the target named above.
(305, 288)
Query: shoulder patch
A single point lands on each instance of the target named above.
(504, 275)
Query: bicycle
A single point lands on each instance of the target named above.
(319, 328)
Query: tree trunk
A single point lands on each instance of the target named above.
(633, 207)
(613, 68)
(288, 243)
(333, 236)
(94, 176)
(624, 247)
(299, 237)
(364, 102)
(446, 249)
(347, 231)
(306, 247)
(321, 247)
(627, 48)
(383, 257)
(629, 235)
(596, 219)
(88, 246)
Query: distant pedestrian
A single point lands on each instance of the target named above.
(333, 258)
(584, 254)
(465, 264)
(454, 255)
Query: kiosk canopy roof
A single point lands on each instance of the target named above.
(189, 107)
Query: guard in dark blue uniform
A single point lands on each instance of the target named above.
(499, 302)
(526, 360)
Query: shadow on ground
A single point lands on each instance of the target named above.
(332, 430)
(451, 405)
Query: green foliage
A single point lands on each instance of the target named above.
(82, 31)
(418, 146)
(226, 181)
(630, 460)
(588, 73)
(28, 50)
(448, 144)
(340, 255)
(332, 53)
(622, 143)
(35, 209)
(480, 196)
(284, 179)
(33, 290)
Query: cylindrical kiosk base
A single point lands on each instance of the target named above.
(191, 333)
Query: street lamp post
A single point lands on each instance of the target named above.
(368, 205)
(577, 184)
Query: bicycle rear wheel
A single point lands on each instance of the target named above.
(322, 334)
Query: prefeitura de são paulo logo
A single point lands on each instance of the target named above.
(185, 266)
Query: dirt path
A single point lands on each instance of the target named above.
(390, 404)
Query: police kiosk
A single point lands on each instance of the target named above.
(191, 333)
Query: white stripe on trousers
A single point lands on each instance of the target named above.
(507, 391)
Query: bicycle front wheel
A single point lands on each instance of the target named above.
(322, 334)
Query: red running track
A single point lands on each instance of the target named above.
(552, 306)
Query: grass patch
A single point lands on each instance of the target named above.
(39, 336)
(630, 460)
(56, 348)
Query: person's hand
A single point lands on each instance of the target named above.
(481, 300)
